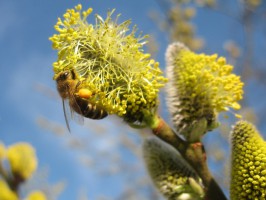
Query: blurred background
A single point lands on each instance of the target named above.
(102, 159)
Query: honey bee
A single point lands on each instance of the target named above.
(68, 88)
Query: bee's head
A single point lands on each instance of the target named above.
(65, 75)
(66, 82)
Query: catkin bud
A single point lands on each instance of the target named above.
(170, 173)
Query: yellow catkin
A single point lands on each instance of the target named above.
(109, 59)
(200, 86)
(22, 159)
(36, 195)
(6, 193)
(248, 174)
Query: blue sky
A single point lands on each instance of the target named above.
(26, 65)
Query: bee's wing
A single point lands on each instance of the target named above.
(75, 114)
(70, 114)
(67, 113)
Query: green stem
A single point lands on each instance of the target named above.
(164, 132)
